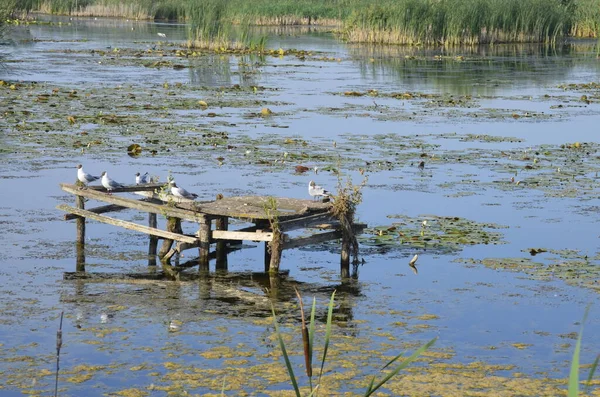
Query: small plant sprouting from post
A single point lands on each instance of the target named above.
(308, 344)
(348, 197)
(58, 347)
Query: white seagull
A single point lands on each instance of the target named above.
(139, 179)
(84, 177)
(317, 191)
(181, 192)
(109, 184)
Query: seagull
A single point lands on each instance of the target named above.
(161, 35)
(109, 184)
(139, 179)
(317, 191)
(84, 177)
(181, 192)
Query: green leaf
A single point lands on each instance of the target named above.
(402, 365)
(327, 334)
(288, 364)
(574, 374)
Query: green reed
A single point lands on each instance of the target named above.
(308, 336)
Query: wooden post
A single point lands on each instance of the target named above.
(345, 256)
(80, 240)
(267, 256)
(153, 245)
(173, 226)
(276, 248)
(79, 203)
(222, 223)
(204, 234)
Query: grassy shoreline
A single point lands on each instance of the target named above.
(407, 22)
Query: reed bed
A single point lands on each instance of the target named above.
(414, 22)
(457, 22)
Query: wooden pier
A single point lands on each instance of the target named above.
(292, 214)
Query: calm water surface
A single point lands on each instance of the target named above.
(476, 307)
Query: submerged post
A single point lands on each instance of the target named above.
(153, 245)
(80, 240)
(204, 234)
(222, 223)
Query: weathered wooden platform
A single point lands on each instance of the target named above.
(292, 214)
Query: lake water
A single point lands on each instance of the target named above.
(477, 117)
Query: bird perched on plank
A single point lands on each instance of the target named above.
(84, 177)
(181, 192)
(139, 179)
(317, 191)
(110, 184)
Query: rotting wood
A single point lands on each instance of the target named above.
(275, 251)
(174, 228)
(126, 224)
(98, 210)
(235, 235)
(145, 206)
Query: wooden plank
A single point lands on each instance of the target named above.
(98, 210)
(321, 237)
(235, 235)
(253, 207)
(305, 221)
(144, 206)
(125, 224)
(314, 239)
(127, 189)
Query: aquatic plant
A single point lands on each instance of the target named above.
(573, 390)
(454, 22)
(308, 334)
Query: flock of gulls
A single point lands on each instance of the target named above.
(314, 190)
(110, 184)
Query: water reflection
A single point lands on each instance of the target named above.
(482, 70)
(245, 295)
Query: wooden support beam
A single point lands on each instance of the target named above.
(79, 202)
(236, 235)
(345, 257)
(319, 238)
(153, 243)
(98, 210)
(221, 224)
(173, 227)
(204, 234)
(304, 222)
(147, 187)
(126, 225)
(143, 206)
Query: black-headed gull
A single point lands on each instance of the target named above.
(139, 179)
(181, 192)
(317, 191)
(109, 184)
(84, 177)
